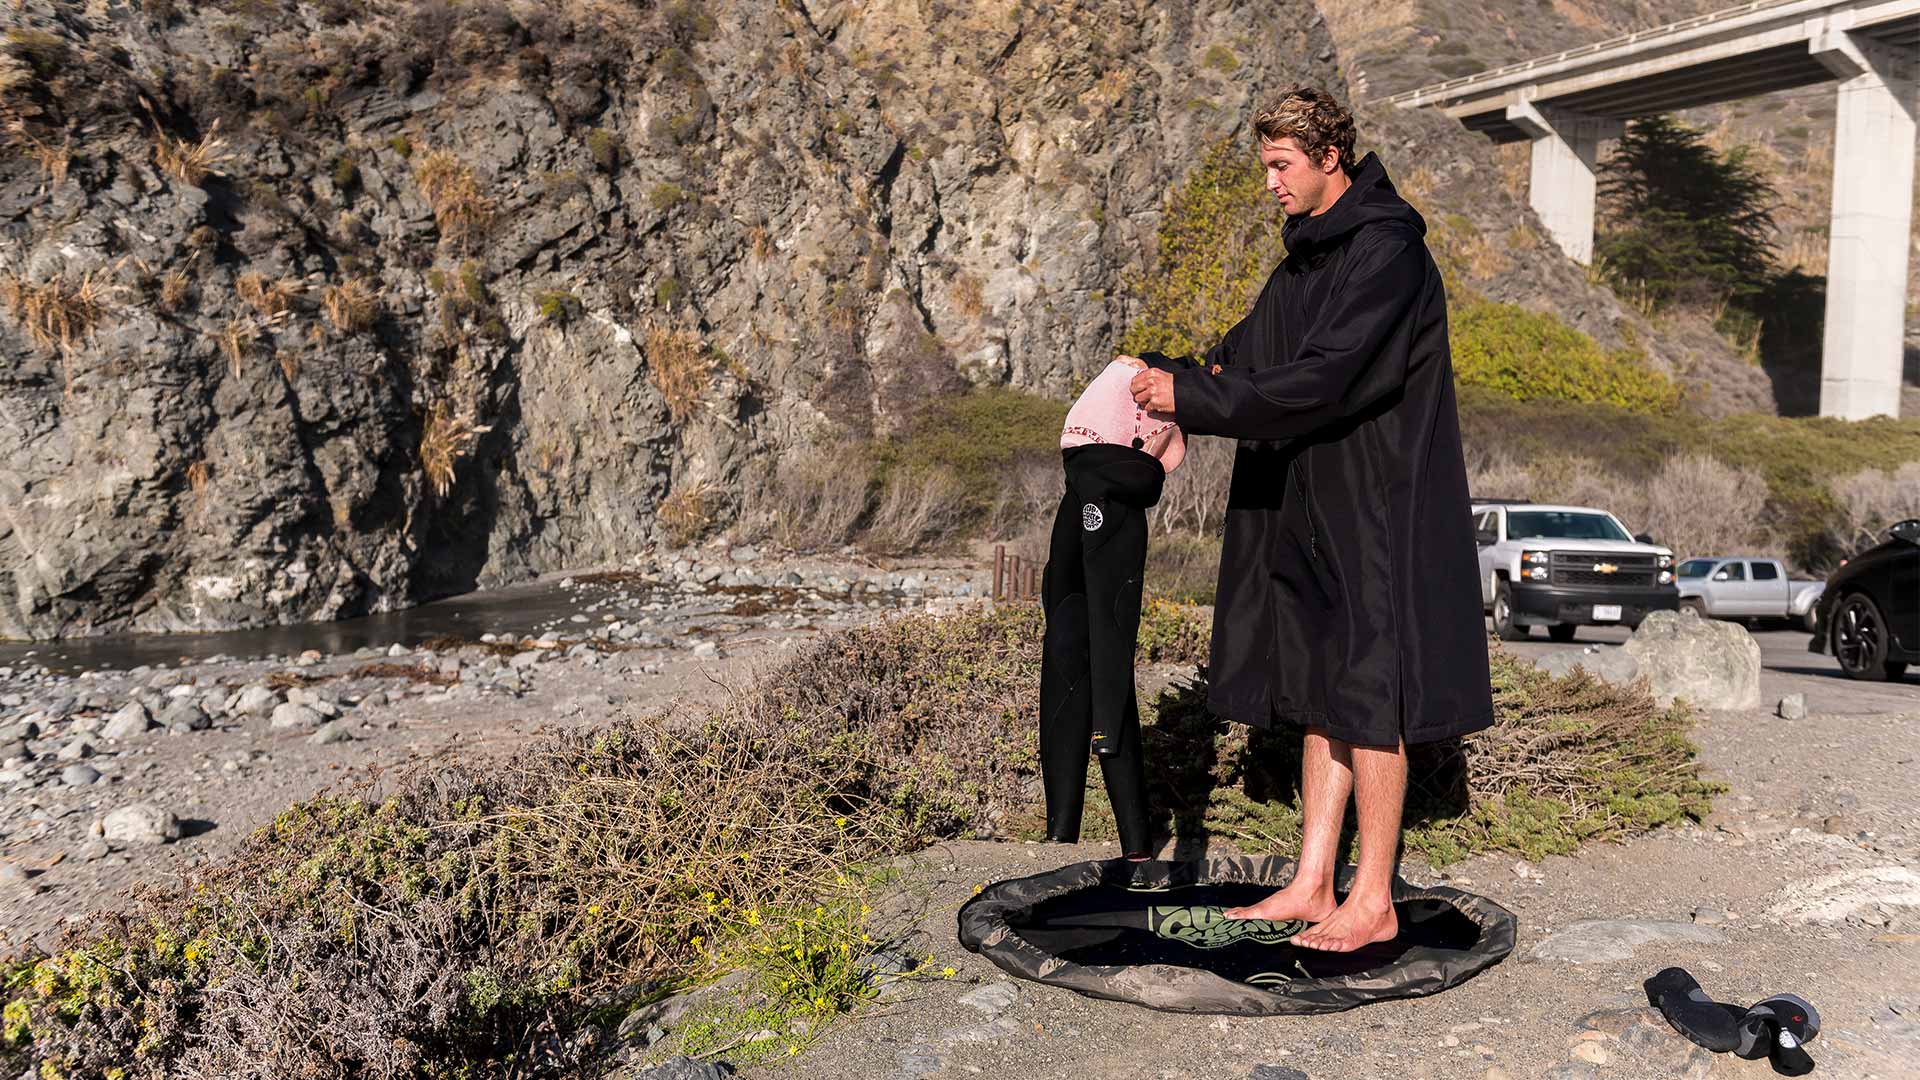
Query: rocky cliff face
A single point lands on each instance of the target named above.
(317, 308)
(466, 292)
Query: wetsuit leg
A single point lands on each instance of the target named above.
(1115, 557)
(1065, 701)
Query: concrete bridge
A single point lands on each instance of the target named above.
(1567, 103)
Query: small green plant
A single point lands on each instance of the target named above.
(1221, 59)
(667, 292)
(559, 307)
(665, 196)
(345, 173)
(604, 148)
(401, 145)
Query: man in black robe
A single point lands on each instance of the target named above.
(1348, 601)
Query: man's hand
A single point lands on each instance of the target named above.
(1153, 390)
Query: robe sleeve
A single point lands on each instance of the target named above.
(1221, 355)
(1355, 353)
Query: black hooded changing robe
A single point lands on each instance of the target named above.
(1349, 594)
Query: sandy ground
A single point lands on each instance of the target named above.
(1807, 878)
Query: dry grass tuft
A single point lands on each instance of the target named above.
(462, 211)
(351, 306)
(191, 162)
(237, 339)
(687, 513)
(678, 365)
(54, 161)
(176, 288)
(446, 441)
(59, 313)
(269, 298)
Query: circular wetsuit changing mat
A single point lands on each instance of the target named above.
(1154, 933)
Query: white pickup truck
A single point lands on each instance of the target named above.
(1745, 587)
(1564, 567)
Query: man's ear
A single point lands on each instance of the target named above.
(1331, 160)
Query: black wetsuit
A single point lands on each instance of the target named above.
(1091, 593)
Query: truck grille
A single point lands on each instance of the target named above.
(1583, 568)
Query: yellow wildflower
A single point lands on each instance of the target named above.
(948, 972)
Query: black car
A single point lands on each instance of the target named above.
(1869, 617)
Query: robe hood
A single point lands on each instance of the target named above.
(1370, 199)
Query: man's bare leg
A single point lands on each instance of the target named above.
(1366, 915)
(1326, 779)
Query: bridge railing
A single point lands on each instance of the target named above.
(1637, 36)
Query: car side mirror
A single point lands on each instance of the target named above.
(1642, 538)
(1908, 530)
(1485, 537)
(1721, 576)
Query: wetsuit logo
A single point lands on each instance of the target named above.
(1209, 927)
(1091, 518)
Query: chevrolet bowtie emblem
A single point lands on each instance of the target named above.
(1605, 568)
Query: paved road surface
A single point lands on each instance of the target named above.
(1786, 668)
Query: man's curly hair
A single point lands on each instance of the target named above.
(1311, 118)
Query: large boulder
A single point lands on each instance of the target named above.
(1712, 664)
(1604, 662)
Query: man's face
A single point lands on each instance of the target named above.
(1294, 178)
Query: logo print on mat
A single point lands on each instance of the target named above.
(1091, 518)
(1209, 928)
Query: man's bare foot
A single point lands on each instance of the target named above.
(1305, 900)
(1356, 923)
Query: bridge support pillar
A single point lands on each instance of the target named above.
(1872, 212)
(1566, 147)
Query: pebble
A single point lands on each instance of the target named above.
(255, 701)
(132, 719)
(79, 775)
(78, 747)
(94, 850)
(1792, 707)
(1276, 1072)
(297, 717)
(329, 734)
(142, 823)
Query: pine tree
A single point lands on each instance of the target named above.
(1682, 223)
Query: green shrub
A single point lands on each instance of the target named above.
(665, 196)
(604, 148)
(345, 173)
(1219, 238)
(1526, 355)
(978, 438)
(401, 145)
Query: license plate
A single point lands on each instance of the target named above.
(1606, 613)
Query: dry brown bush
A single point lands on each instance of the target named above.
(1697, 505)
(54, 161)
(1194, 498)
(460, 208)
(1872, 500)
(352, 305)
(176, 288)
(445, 441)
(1031, 496)
(678, 365)
(191, 162)
(918, 508)
(817, 497)
(58, 313)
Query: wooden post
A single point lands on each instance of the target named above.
(999, 566)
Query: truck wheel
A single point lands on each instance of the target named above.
(1859, 638)
(1811, 619)
(1695, 605)
(1503, 624)
(1562, 632)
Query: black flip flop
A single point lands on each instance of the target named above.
(1779, 1029)
(1692, 1013)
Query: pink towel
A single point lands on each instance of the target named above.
(1105, 413)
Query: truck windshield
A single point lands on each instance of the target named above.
(1562, 525)
(1697, 567)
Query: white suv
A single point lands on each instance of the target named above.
(1563, 567)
